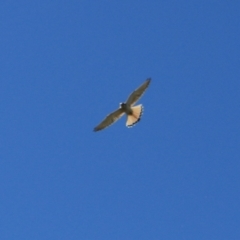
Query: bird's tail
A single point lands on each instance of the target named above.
(135, 116)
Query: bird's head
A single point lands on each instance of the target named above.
(121, 105)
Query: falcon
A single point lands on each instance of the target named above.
(132, 112)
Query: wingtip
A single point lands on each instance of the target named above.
(96, 129)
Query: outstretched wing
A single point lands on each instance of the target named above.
(134, 97)
(110, 119)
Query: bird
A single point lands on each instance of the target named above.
(132, 112)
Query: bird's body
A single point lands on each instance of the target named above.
(132, 112)
(126, 108)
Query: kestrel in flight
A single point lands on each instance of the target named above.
(133, 113)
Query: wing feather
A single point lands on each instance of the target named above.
(110, 119)
(135, 96)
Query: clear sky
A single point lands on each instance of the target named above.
(65, 65)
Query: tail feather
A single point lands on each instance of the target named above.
(135, 116)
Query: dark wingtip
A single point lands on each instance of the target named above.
(96, 129)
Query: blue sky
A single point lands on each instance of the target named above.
(65, 65)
